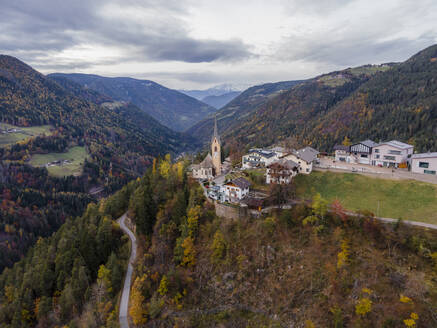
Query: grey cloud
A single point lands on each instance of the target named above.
(319, 7)
(355, 51)
(52, 26)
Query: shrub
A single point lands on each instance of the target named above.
(218, 247)
(363, 306)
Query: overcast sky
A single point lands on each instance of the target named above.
(198, 44)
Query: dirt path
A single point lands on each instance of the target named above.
(123, 315)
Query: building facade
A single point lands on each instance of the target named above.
(361, 152)
(305, 158)
(258, 158)
(211, 166)
(236, 189)
(392, 154)
(281, 171)
(204, 170)
(425, 163)
(342, 153)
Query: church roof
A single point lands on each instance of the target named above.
(207, 162)
(215, 135)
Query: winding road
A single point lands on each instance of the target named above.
(124, 323)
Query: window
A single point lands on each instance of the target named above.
(425, 165)
(376, 150)
(390, 158)
(377, 156)
(394, 152)
(215, 149)
(429, 172)
(364, 155)
(342, 159)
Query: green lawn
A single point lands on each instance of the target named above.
(407, 199)
(76, 155)
(25, 133)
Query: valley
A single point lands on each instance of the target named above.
(309, 202)
(62, 164)
(11, 134)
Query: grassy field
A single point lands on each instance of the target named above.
(406, 199)
(25, 133)
(76, 155)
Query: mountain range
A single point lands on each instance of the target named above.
(379, 102)
(230, 116)
(120, 140)
(169, 107)
(217, 90)
(220, 100)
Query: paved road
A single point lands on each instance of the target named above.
(127, 282)
(375, 171)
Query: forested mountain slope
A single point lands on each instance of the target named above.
(293, 268)
(120, 139)
(235, 112)
(368, 102)
(72, 277)
(169, 107)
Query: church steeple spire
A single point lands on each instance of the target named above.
(216, 149)
(215, 135)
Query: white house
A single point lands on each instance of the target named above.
(361, 152)
(391, 153)
(280, 151)
(304, 158)
(425, 163)
(342, 153)
(258, 158)
(236, 189)
(281, 171)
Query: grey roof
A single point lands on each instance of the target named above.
(341, 147)
(424, 155)
(278, 149)
(207, 162)
(285, 163)
(215, 135)
(396, 144)
(307, 154)
(369, 143)
(262, 152)
(241, 183)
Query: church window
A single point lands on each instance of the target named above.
(215, 148)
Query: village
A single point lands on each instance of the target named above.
(277, 165)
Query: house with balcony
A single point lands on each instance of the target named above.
(361, 152)
(281, 171)
(392, 154)
(236, 190)
(425, 163)
(257, 157)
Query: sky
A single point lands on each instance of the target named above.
(187, 44)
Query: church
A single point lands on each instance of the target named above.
(211, 166)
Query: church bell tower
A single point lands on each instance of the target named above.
(216, 150)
